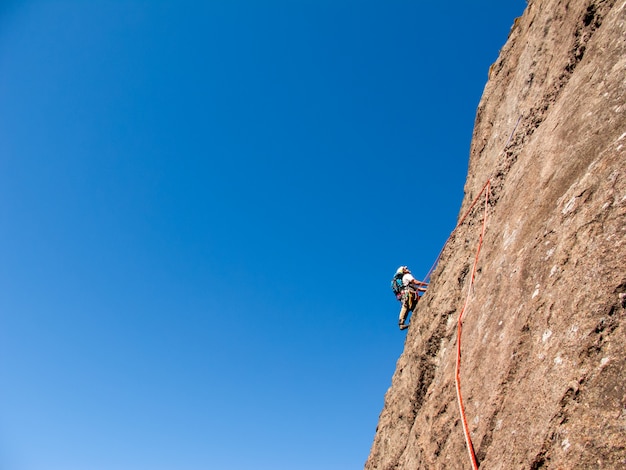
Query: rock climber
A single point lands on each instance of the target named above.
(407, 290)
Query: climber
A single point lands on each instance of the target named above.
(407, 290)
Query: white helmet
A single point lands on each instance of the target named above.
(402, 270)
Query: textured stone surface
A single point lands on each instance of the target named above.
(544, 366)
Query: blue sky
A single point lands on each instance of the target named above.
(201, 207)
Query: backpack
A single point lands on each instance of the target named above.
(396, 286)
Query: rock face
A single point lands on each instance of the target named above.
(543, 371)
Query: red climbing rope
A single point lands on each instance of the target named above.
(486, 189)
(457, 373)
(457, 378)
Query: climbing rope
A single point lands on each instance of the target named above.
(486, 189)
(457, 373)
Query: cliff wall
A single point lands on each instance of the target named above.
(543, 371)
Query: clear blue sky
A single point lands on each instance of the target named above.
(201, 208)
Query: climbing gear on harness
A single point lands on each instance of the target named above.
(410, 298)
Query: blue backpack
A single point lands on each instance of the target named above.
(396, 286)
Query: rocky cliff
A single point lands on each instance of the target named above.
(543, 364)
